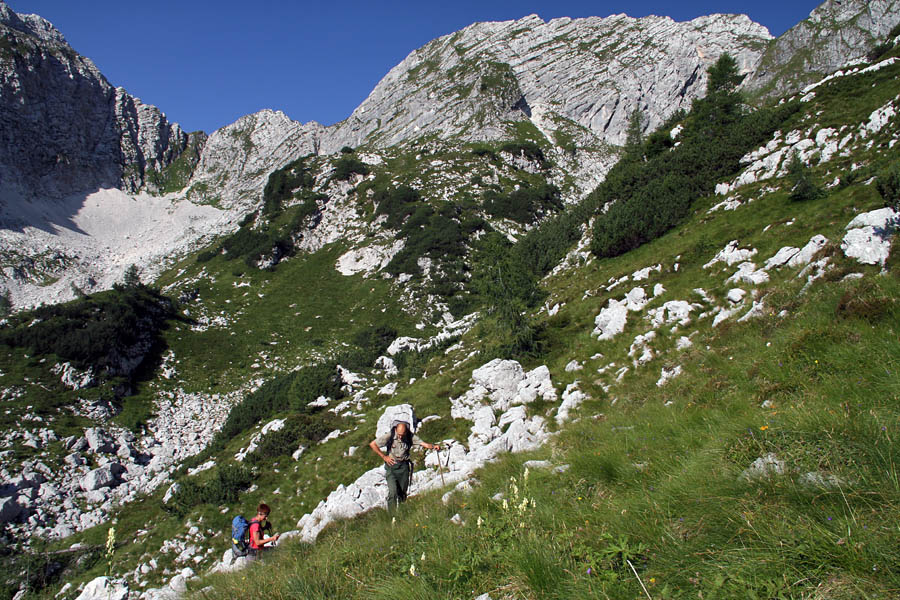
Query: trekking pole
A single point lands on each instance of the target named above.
(448, 457)
(441, 468)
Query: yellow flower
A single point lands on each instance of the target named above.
(764, 427)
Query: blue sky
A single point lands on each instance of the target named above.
(205, 63)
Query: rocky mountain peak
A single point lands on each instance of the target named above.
(33, 25)
(836, 33)
(65, 129)
(591, 72)
(237, 159)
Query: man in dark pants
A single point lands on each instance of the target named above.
(397, 444)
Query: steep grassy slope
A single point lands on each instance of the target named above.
(653, 493)
(655, 472)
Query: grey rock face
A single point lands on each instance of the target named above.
(237, 159)
(63, 127)
(578, 78)
(146, 139)
(592, 72)
(102, 477)
(98, 440)
(836, 32)
(104, 588)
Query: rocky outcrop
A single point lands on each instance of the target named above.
(63, 128)
(147, 141)
(237, 159)
(836, 33)
(868, 237)
(498, 385)
(591, 73)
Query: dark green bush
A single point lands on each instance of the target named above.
(302, 429)
(646, 198)
(523, 205)
(346, 150)
(368, 345)
(207, 255)
(525, 149)
(397, 203)
(880, 50)
(224, 487)
(290, 391)
(888, 185)
(283, 182)
(803, 188)
(96, 331)
(484, 152)
(276, 238)
(347, 166)
(438, 234)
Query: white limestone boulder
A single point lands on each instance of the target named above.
(386, 364)
(400, 412)
(764, 467)
(736, 295)
(572, 398)
(673, 311)
(868, 237)
(732, 254)
(611, 320)
(104, 588)
(806, 254)
(102, 477)
(99, 440)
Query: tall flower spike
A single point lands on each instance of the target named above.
(111, 541)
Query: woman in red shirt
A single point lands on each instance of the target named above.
(258, 524)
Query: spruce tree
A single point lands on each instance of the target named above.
(634, 137)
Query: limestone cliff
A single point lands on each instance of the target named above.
(835, 33)
(63, 128)
(593, 72)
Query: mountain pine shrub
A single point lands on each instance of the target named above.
(645, 199)
(803, 188)
(347, 166)
(888, 185)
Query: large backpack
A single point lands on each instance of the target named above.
(240, 536)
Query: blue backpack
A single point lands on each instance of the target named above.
(240, 542)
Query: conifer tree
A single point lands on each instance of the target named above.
(634, 137)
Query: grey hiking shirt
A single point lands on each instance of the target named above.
(399, 449)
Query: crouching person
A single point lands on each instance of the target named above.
(259, 526)
(398, 470)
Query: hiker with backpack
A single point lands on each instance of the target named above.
(398, 469)
(247, 536)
